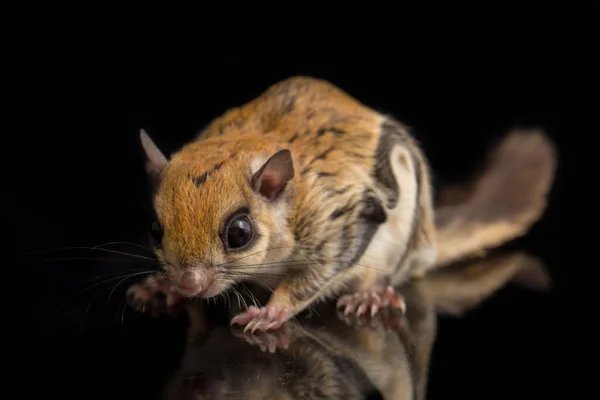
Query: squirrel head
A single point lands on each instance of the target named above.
(222, 210)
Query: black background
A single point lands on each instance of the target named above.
(459, 80)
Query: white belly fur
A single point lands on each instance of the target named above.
(391, 239)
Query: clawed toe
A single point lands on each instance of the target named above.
(360, 303)
(263, 319)
(371, 308)
(267, 341)
(384, 319)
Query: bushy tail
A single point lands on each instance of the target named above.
(501, 203)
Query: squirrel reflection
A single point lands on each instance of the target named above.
(325, 356)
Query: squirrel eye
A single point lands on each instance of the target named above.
(239, 232)
(156, 232)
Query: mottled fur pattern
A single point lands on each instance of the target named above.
(357, 212)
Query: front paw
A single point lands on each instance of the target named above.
(154, 296)
(261, 319)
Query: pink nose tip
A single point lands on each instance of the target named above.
(191, 283)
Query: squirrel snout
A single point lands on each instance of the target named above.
(192, 283)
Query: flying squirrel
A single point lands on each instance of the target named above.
(312, 194)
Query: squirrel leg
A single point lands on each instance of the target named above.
(300, 289)
(293, 295)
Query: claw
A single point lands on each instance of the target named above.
(374, 309)
(263, 319)
(267, 341)
(246, 317)
(357, 304)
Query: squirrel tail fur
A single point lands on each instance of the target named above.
(501, 203)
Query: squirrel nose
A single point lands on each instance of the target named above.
(192, 282)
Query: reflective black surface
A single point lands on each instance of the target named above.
(192, 353)
(324, 354)
(81, 184)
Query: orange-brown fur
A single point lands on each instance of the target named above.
(333, 140)
(334, 143)
(510, 191)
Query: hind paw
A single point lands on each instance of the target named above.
(371, 302)
(385, 319)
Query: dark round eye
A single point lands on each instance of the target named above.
(239, 232)
(156, 232)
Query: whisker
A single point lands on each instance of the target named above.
(100, 283)
(45, 260)
(251, 295)
(224, 297)
(244, 301)
(303, 262)
(87, 249)
(249, 292)
(98, 247)
(304, 284)
(126, 254)
(129, 243)
(87, 311)
(123, 315)
(253, 254)
(115, 287)
(121, 272)
(238, 297)
(85, 314)
(317, 294)
(228, 298)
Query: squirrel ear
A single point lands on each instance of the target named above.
(155, 159)
(276, 172)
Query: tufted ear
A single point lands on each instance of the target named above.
(270, 180)
(155, 159)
